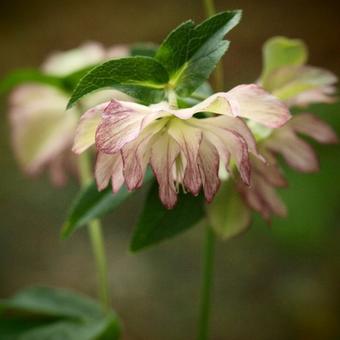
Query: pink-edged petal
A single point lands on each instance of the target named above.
(164, 152)
(109, 167)
(122, 122)
(236, 147)
(312, 126)
(262, 197)
(248, 101)
(269, 171)
(297, 153)
(237, 125)
(86, 130)
(189, 139)
(208, 162)
(136, 155)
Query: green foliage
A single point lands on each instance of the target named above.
(157, 223)
(190, 53)
(183, 62)
(143, 49)
(227, 213)
(90, 204)
(141, 77)
(25, 76)
(42, 313)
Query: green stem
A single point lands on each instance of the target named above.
(96, 236)
(209, 8)
(207, 283)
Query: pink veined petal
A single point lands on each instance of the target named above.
(122, 123)
(270, 172)
(233, 124)
(248, 101)
(109, 167)
(136, 155)
(263, 198)
(237, 149)
(87, 126)
(297, 153)
(164, 152)
(189, 139)
(312, 126)
(208, 162)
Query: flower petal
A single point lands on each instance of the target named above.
(109, 167)
(87, 126)
(189, 139)
(42, 130)
(314, 127)
(163, 156)
(122, 123)
(136, 155)
(247, 101)
(297, 153)
(208, 162)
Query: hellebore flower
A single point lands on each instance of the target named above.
(181, 148)
(42, 131)
(286, 76)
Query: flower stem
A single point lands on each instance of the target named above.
(209, 8)
(96, 236)
(207, 283)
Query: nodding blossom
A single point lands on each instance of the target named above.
(297, 85)
(182, 149)
(42, 130)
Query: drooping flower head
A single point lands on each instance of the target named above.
(286, 76)
(42, 131)
(182, 149)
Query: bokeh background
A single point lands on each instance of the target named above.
(275, 282)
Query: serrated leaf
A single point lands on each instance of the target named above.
(280, 52)
(227, 213)
(90, 204)
(157, 223)
(23, 76)
(190, 53)
(42, 313)
(139, 77)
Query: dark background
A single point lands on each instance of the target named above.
(278, 282)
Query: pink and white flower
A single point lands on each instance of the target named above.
(42, 130)
(181, 148)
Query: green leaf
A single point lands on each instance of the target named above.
(141, 77)
(280, 52)
(23, 76)
(53, 302)
(91, 203)
(157, 223)
(42, 313)
(173, 52)
(190, 53)
(143, 49)
(227, 213)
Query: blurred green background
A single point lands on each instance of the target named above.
(277, 282)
